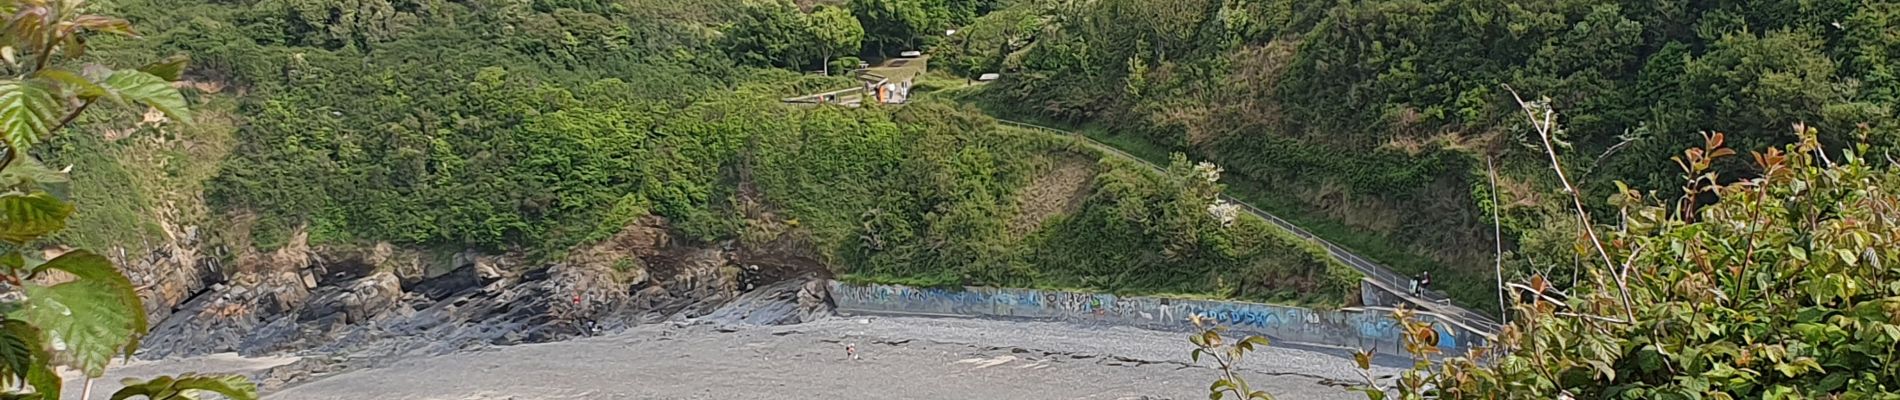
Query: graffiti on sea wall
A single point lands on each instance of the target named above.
(1357, 328)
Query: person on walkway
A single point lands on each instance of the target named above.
(851, 350)
(1422, 283)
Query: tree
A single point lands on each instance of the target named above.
(901, 23)
(771, 33)
(1762, 83)
(77, 309)
(834, 31)
(963, 11)
(986, 44)
(337, 24)
(775, 33)
(1874, 51)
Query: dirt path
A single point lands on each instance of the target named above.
(903, 358)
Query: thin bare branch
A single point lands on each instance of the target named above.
(1497, 238)
(1540, 295)
(1543, 132)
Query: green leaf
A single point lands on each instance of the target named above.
(16, 352)
(144, 88)
(97, 269)
(13, 260)
(1373, 394)
(233, 387)
(45, 380)
(80, 87)
(1260, 341)
(88, 267)
(39, 371)
(1604, 368)
(24, 217)
(1648, 360)
(95, 316)
(170, 69)
(103, 24)
(27, 170)
(1788, 369)
(1220, 385)
(88, 319)
(28, 113)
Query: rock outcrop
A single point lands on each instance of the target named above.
(355, 309)
(172, 272)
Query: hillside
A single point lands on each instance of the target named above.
(345, 139)
(1373, 122)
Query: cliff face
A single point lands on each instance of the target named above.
(359, 307)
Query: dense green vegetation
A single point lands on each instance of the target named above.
(1780, 290)
(542, 126)
(1414, 91)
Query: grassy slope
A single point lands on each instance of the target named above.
(1372, 246)
(1338, 275)
(133, 186)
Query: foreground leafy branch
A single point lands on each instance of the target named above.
(1209, 344)
(1774, 285)
(76, 310)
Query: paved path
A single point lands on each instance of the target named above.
(1392, 282)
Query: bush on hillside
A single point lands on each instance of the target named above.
(1785, 288)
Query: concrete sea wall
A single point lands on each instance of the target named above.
(1353, 327)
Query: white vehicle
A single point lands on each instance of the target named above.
(988, 77)
(911, 54)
